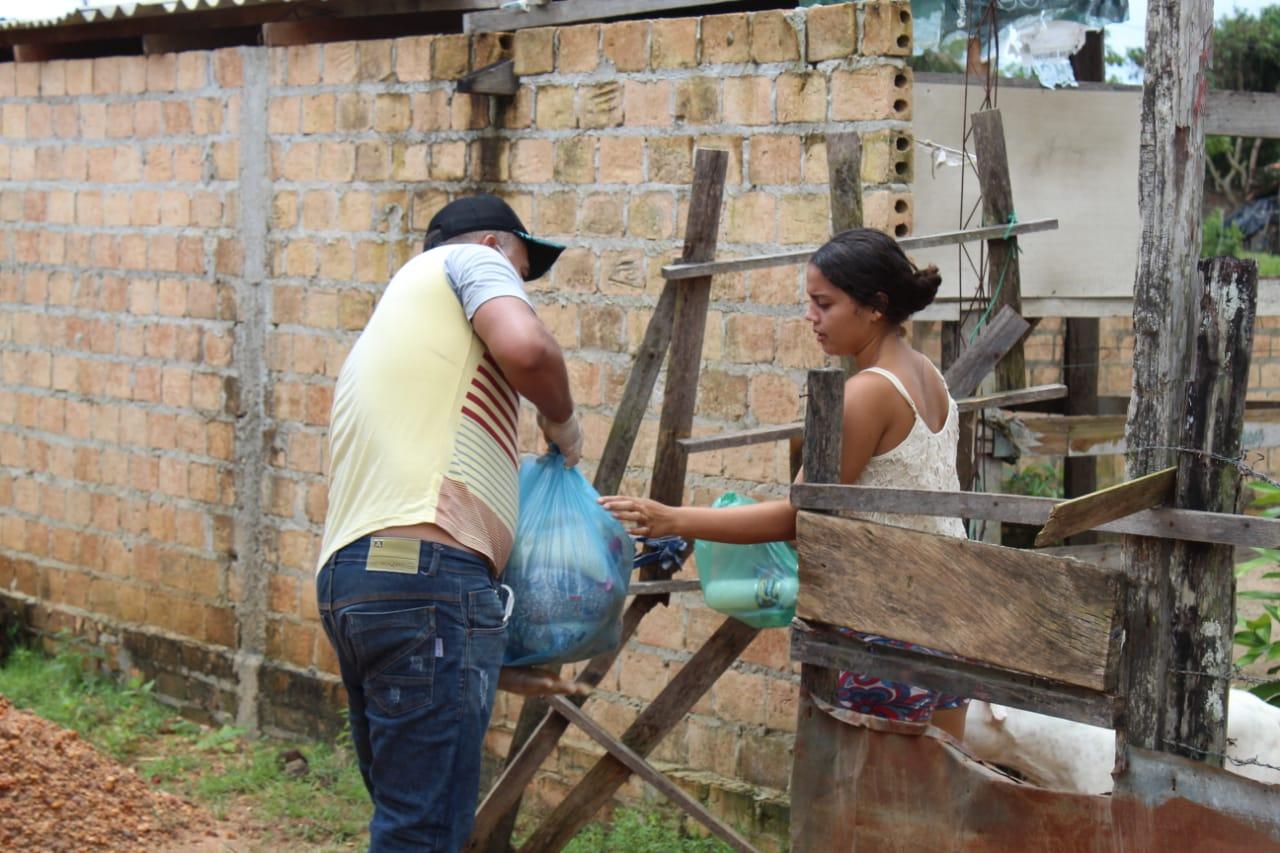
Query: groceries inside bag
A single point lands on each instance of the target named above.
(755, 584)
(569, 569)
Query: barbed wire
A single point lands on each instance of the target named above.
(1206, 753)
(1237, 462)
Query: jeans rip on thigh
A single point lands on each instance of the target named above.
(395, 651)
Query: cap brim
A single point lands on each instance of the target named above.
(542, 254)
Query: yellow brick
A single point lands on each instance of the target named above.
(804, 219)
(886, 28)
(774, 159)
(318, 114)
(375, 60)
(598, 105)
(557, 213)
(626, 45)
(578, 49)
(532, 161)
(449, 161)
(555, 107)
(575, 160)
(621, 160)
(725, 39)
(802, 97)
(534, 51)
(413, 59)
(652, 216)
(450, 57)
(304, 65)
(747, 100)
(391, 113)
(751, 218)
(647, 104)
(674, 43)
(831, 31)
(602, 215)
(773, 38)
(342, 60)
(698, 100)
(878, 92)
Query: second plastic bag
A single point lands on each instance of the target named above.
(569, 569)
(755, 584)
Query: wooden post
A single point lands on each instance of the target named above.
(678, 322)
(823, 440)
(1170, 189)
(1080, 356)
(823, 434)
(844, 189)
(1202, 580)
(1004, 282)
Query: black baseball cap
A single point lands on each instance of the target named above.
(490, 213)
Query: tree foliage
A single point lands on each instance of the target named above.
(1246, 57)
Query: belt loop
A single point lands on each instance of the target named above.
(433, 565)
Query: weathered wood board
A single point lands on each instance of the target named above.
(1097, 508)
(1014, 609)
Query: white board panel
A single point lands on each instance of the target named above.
(1073, 156)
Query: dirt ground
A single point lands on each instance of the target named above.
(58, 793)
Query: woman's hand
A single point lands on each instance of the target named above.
(641, 516)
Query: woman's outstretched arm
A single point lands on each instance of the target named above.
(771, 521)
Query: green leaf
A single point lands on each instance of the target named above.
(1258, 595)
(1248, 657)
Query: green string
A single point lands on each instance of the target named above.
(991, 304)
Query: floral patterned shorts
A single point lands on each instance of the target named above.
(892, 700)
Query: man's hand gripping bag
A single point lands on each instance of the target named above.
(569, 569)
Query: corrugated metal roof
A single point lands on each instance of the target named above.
(125, 11)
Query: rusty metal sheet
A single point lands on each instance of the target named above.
(864, 784)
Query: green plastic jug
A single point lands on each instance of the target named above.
(755, 584)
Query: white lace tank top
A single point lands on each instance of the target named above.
(923, 460)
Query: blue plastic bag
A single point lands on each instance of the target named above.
(569, 569)
(755, 584)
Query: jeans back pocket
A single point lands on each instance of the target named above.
(395, 653)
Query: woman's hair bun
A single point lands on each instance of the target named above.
(927, 282)
(871, 267)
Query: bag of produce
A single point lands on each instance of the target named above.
(569, 569)
(756, 584)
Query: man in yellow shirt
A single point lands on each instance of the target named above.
(422, 511)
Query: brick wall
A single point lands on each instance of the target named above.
(193, 241)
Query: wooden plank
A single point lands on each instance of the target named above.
(819, 645)
(823, 440)
(800, 256)
(1045, 434)
(1170, 196)
(1004, 281)
(562, 12)
(1243, 114)
(629, 413)
(1220, 528)
(491, 827)
(1016, 397)
(1014, 609)
(1107, 555)
(844, 183)
(1000, 336)
(650, 774)
(1081, 356)
(844, 194)
(496, 79)
(741, 438)
(1091, 511)
(1202, 579)
(689, 325)
(662, 587)
(664, 712)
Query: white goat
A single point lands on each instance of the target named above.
(1068, 756)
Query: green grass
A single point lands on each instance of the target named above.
(241, 778)
(641, 832)
(1268, 265)
(222, 769)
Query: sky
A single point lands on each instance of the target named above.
(1133, 33)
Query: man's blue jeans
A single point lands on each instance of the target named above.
(419, 654)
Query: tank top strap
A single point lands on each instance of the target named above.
(897, 383)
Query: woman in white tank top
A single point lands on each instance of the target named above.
(900, 425)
